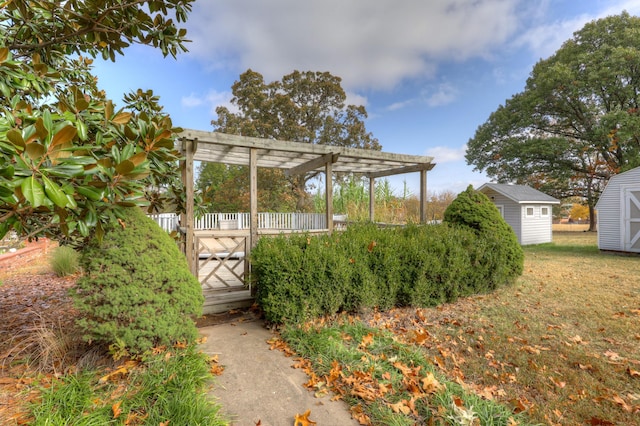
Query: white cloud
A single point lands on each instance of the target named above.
(543, 40)
(370, 44)
(444, 94)
(356, 99)
(445, 154)
(211, 99)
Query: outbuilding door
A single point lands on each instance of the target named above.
(631, 219)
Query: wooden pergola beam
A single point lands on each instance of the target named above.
(401, 170)
(313, 164)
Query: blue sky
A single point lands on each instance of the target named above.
(428, 72)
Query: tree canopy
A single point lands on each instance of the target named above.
(69, 159)
(305, 107)
(576, 123)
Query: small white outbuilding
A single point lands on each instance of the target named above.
(619, 213)
(527, 210)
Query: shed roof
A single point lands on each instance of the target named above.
(297, 157)
(521, 194)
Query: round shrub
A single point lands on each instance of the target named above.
(472, 209)
(136, 292)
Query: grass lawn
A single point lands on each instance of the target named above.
(561, 346)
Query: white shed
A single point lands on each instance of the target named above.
(619, 213)
(526, 209)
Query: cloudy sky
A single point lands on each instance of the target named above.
(428, 72)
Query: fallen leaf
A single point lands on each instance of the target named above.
(633, 373)
(613, 356)
(303, 420)
(401, 407)
(116, 410)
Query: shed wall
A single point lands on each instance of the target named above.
(511, 211)
(536, 229)
(610, 210)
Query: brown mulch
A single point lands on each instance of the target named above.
(31, 297)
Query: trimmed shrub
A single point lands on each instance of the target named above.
(301, 277)
(65, 261)
(137, 291)
(504, 261)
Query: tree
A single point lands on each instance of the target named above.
(302, 107)
(69, 161)
(577, 122)
(225, 188)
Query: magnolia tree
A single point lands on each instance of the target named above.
(69, 159)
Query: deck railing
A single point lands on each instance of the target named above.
(280, 221)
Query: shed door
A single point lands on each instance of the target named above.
(631, 219)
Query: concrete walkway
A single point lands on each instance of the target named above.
(259, 385)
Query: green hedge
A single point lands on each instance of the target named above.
(299, 277)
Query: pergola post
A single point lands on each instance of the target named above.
(187, 218)
(423, 196)
(372, 197)
(253, 197)
(328, 169)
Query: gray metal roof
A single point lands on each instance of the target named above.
(520, 193)
(294, 156)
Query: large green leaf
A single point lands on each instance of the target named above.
(15, 137)
(94, 194)
(54, 192)
(33, 191)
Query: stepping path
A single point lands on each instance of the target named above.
(259, 385)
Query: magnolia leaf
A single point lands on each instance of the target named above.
(164, 143)
(15, 137)
(82, 130)
(122, 118)
(41, 129)
(33, 191)
(108, 109)
(139, 158)
(81, 103)
(7, 172)
(93, 194)
(35, 150)
(4, 54)
(71, 202)
(83, 228)
(125, 167)
(64, 135)
(54, 192)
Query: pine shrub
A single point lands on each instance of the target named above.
(365, 267)
(137, 291)
(501, 256)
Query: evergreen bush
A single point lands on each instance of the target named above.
(300, 277)
(137, 291)
(504, 260)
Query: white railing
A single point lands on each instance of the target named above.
(279, 221)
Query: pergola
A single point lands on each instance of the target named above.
(294, 158)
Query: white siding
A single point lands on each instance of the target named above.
(510, 211)
(536, 229)
(609, 210)
(529, 230)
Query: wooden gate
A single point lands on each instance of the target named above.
(631, 219)
(223, 269)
